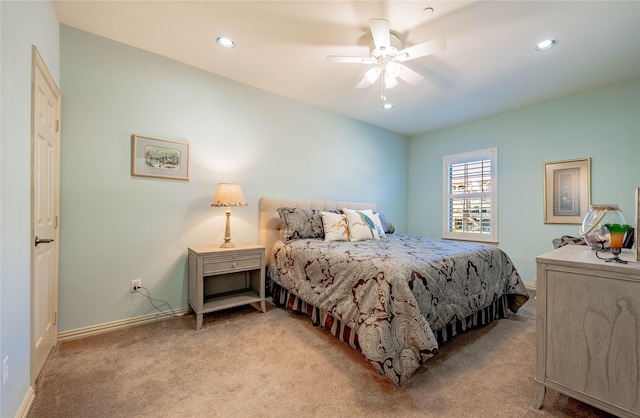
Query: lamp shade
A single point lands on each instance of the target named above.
(229, 194)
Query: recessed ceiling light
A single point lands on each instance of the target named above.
(225, 42)
(546, 44)
(428, 10)
(387, 106)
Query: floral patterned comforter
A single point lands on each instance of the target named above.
(396, 291)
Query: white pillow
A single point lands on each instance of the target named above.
(361, 225)
(376, 220)
(375, 217)
(335, 226)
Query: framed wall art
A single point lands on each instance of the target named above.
(162, 158)
(567, 191)
(637, 244)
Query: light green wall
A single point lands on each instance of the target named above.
(23, 24)
(603, 124)
(115, 227)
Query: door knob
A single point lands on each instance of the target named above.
(42, 241)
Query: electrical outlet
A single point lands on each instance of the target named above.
(5, 370)
(135, 285)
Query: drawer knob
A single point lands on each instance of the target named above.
(235, 264)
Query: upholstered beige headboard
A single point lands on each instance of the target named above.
(271, 226)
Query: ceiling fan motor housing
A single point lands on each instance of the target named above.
(395, 45)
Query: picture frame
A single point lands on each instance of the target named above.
(159, 158)
(567, 191)
(636, 243)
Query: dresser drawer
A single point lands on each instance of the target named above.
(220, 263)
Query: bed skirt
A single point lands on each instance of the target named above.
(283, 298)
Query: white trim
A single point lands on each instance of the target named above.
(115, 325)
(447, 160)
(25, 406)
(531, 288)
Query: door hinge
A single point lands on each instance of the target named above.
(55, 318)
(56, 222)
(57, 125)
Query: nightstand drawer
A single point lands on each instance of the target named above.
(217, 263)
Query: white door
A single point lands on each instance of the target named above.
(45, 151)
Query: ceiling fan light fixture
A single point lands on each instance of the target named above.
(390, 81)
(546, 44)
(225, 42)
(372, 75)
(392, 68)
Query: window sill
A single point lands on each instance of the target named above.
(490, 242)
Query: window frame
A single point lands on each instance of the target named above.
(469, 157)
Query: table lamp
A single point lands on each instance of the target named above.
(617, 233)
(228, 194)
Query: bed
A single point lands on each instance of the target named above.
(394, 297)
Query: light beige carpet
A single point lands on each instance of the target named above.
(245, 363)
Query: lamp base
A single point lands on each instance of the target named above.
(615, 251)
(227, 232)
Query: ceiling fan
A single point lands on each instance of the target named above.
(387, 57)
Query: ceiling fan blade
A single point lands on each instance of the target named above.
(352, 60)
(380, 32)
(363, 84)
(408, 75)
(420, 50)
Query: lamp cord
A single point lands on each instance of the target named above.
(163, 313)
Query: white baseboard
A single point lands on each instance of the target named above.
(115, 325)
(532, 291)
(29, 397)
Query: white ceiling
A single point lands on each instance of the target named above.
(490, 65)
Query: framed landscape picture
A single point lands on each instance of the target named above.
(163, 158)
(637, 244)
(567, 191)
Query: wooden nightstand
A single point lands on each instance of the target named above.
(221, 278)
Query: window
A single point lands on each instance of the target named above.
(470, 198)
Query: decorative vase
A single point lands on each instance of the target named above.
(593, 228)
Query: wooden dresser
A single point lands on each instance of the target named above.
(588, 329)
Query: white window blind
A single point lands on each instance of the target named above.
(470, 196)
